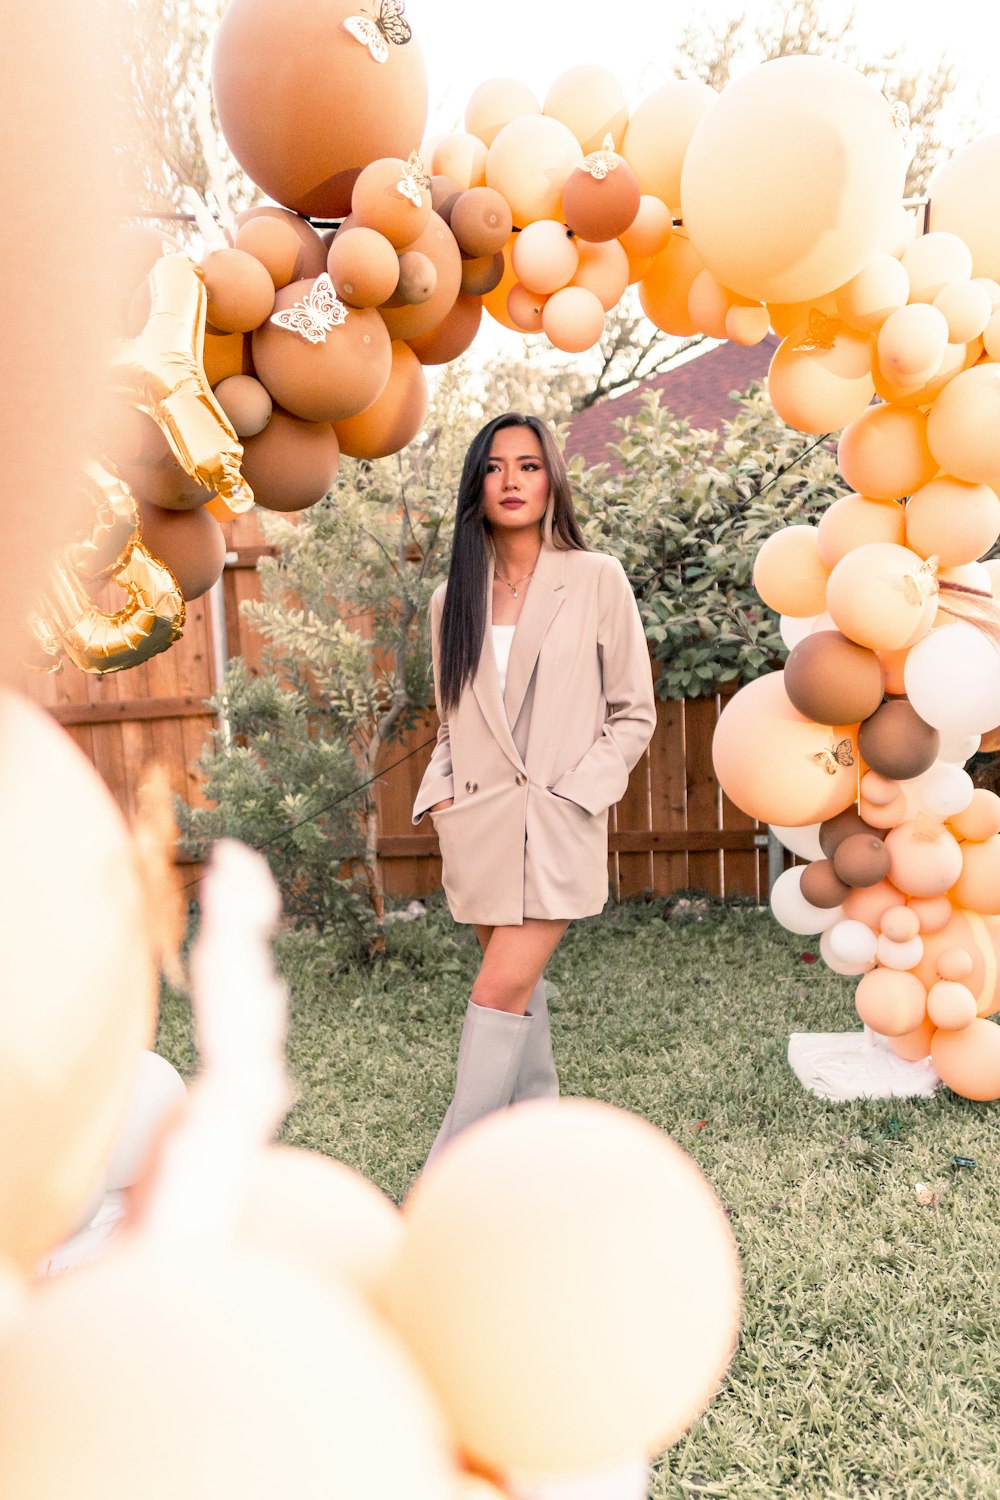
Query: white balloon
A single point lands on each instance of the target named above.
(958, 748)
(626, 1481)
(946, 790)
(795, 628)
(836, 964)
(952, 679)
(793, 911)
(899, 955)
(803, 841)
(158, 1089)
(852, 942)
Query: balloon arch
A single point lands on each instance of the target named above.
(776, 204)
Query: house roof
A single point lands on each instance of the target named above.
(698, 390)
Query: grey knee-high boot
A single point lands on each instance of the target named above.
(489, 1056)
(537, 1077)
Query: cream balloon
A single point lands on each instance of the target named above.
(963, 427)
(791, 909)
(959, 205)
(659, 133)
(528, 162)
(879, 289)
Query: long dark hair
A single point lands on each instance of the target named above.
(463, 622)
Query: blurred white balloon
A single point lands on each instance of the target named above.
(157, 1091)
(626, 1481)
(941, 791)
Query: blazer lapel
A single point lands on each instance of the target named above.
(545, 597)
(486, 683)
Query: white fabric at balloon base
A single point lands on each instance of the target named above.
(838, 1066)
(626, 1481)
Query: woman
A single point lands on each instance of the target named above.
(545, 695)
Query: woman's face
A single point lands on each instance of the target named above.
(516, 484)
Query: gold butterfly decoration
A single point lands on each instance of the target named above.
(375, 30)
(821, 332)
(600, 163)
(922, 584)
(316, 314)
(840, 754)
(414, 180)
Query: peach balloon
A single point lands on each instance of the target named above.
(438, 244)
(933, 261)
(881, 596)
(963, 427)
(650, 230)
(333, 378)
(956, 357)
(481, 221)
(462, 157)
(980, 820)
(978, 886)
(879, 289)
(901, 924)
(275, 244)
(664, 290)
(363, 266)
(933, 913)
(659, 132)
(911, 343)
(952, 520)
(453, 335)
(879, 790)
(884, 453)
(747, 323)
(968, 1061)
(954, 963)
(884, 814)
(76, 1011)
(925, 860)
(292, 463)
(622, 1375)
(958, 204)
(893, 663)
(573, 319)
(603, 270)
(915, 1045)
(377, 202)
(246, 403)
(189, 542)
(967, 309)
(951, 1005)
(304, 130)
(240, 290)
(708, 303)
(778, 766)
(493, 104)
(854, 520)
(529, 162)
(394, 417)
(545, 256)
(788, 574)
(890, 1001)
(525, 308)
(590, 101)
(789, 317)
(821, 388)
(815, 139)
(871, 903)
(991, 336)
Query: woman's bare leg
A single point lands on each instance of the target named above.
(513, 961)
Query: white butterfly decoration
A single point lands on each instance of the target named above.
(600, 163)
(376, 31)
(414, 180)
(316, 314)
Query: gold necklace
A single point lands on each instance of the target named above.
(512, 586)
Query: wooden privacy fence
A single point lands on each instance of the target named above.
(673, 829)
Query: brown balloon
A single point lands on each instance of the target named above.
(275, 244)
(481, 221)
(240, 290)
(335, 376)
(190, 543)
(312, 254)
(394, 419)
(822, 886)
(439, 244)
(363, 266)
(834, 830)
(292, 463)
(481, 274)
(832, 680)
(601, 208)
(453, 335)
(417, 280)
(861, 859)
(896, 742)
(246, 403)
(304, 130)
(164, 483)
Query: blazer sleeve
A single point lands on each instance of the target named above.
(601, 777)
(438, 781)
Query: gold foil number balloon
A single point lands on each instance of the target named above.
(161, 372)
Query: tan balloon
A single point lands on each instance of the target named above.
(438, 244)
(240, 290)
(980, 820)
(658, 134)
(481, 221)
(363, 266)
(879, 597)
(292, 463)
(453, 335)
(525, 308)
(956, 357)
(191, 544)
(968, 1061)
(545, 256)
(76, 1012)
(926, 861)
(275, 244)
(529, 162)
(821, 389)
(591, 102)
(394, 417)
(952, 521)
(151, 1364)
(461, 156)
(606, 1200)
(958, 204)
(493, 104)
(313, 249)
(323, 381)
(788, 574)
(246, 403)
(747, 323)
(854, 520)
(708, 303)
(303, 131)
(377, 203)
(892, 1002)
(884, 453)
(816, 141)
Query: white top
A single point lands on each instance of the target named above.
(503, 637)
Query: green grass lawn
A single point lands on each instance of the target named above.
(869, 1358)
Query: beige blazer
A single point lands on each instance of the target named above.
(534, 771)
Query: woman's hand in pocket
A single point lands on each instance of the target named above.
(440, 806)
